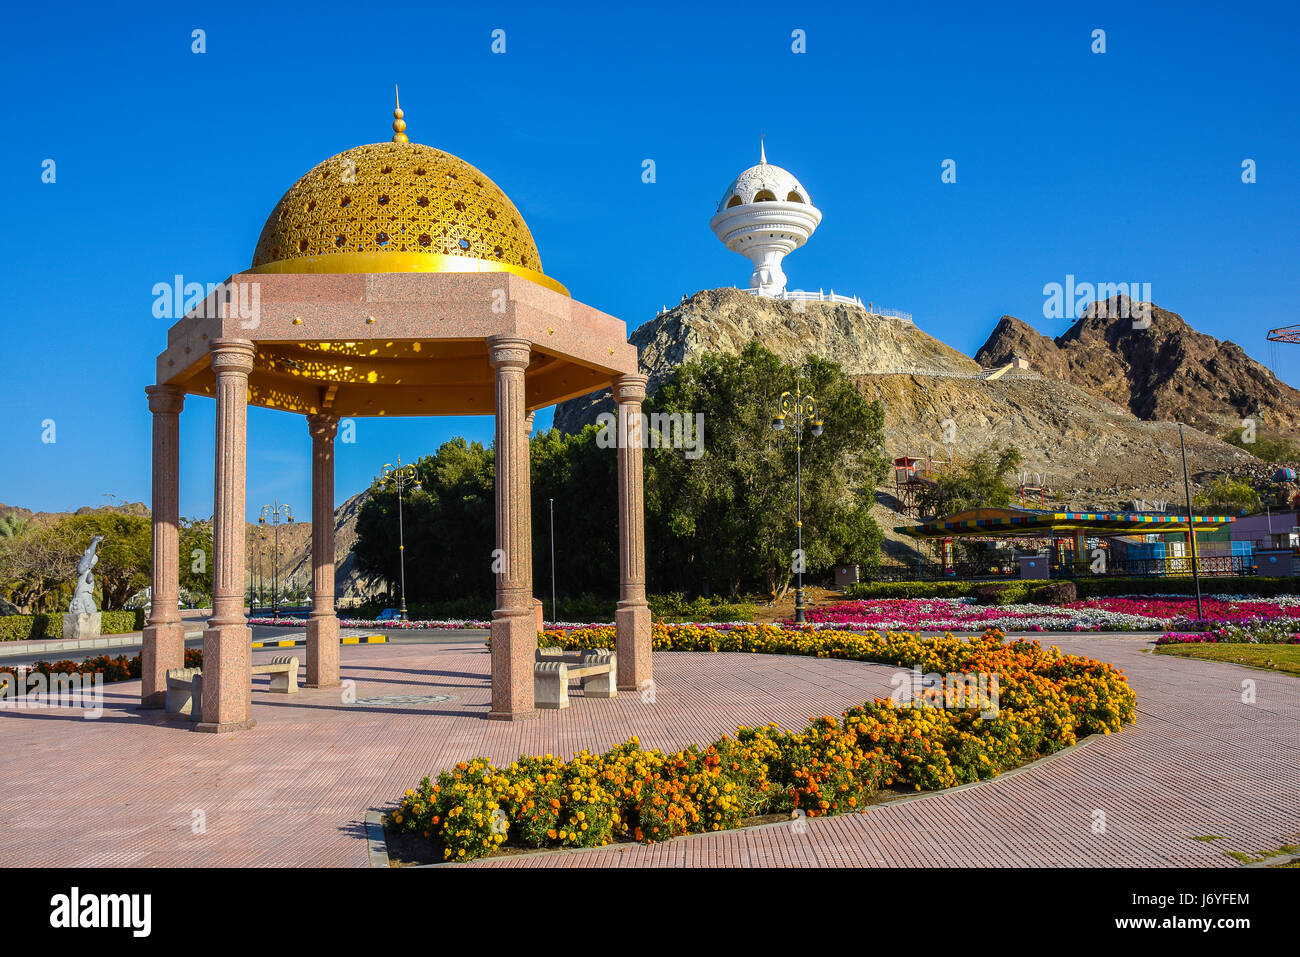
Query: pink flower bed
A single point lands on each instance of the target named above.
(1216, 609)
(1126, 613)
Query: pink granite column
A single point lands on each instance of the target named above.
(323, 625)
(227, 657)
(164, 633)
(632, 617)
(537, 604)
(514, 623)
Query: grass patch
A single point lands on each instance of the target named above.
(1283, 658)
(1256, 856)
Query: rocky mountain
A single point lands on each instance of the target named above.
(1078, 414)
(724, 320)
(42, 518)
(348, 582)
(1157, 367)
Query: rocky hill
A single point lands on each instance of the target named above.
(724, 320)
(45, 518)
(1162, 371)
(1078, 415)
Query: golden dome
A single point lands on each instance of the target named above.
(397, 207)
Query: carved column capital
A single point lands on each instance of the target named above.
(323, 426)
(509, 352)
(630, 388)
(165, 399)
(232, 355)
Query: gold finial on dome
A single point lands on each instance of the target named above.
(399, 125)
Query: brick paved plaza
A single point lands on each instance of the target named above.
(123, 790)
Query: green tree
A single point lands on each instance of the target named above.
(1264, 449)
(449, 527)
(582, 478)
(195, 537)
(39, 567)
(11, 526)
(1227, 495)
(980, 482)
(725, 521)
(125, 555)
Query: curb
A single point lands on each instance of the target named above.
(376, 846)
(378, 817)
(11, 649)
(298, 642)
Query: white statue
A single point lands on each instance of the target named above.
(83, 599)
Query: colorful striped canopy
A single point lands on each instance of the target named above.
(1008, 522)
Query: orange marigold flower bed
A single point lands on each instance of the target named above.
(1042, 701)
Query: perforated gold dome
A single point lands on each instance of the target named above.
(397, 207)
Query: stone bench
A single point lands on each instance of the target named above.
(185, 692)
(283, 670)
(185, 685)
(554, 669)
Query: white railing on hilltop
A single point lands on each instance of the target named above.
(820, 295)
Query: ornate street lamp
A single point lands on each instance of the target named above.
(275, 511)
(803, 407)
(403, 477)
(257, 581)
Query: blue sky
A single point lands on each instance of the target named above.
(1122, 166)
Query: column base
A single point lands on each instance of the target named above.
(227, 677)
(208, 727)
(163, 648)
(511, 715)
(514, 652)
(632, 642)
(322, 652)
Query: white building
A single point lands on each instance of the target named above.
(765, 214)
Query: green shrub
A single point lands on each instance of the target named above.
(119, 622)
(50, 627)
(935, 589)
(22, 627)
(1057, 593)
(586, 608)
(1085, 587)
(676, 607)
(1002, 593)
(1262, 587)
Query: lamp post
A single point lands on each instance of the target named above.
(403, 477)
(1191, 527)
(256, 579)
(804, 407)
(278, 514)
(555, 612)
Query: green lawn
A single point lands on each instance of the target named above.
(1284, 658)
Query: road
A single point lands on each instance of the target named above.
(194, 639)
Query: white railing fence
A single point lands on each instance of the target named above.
(807, 295)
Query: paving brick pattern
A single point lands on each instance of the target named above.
(125, 789)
